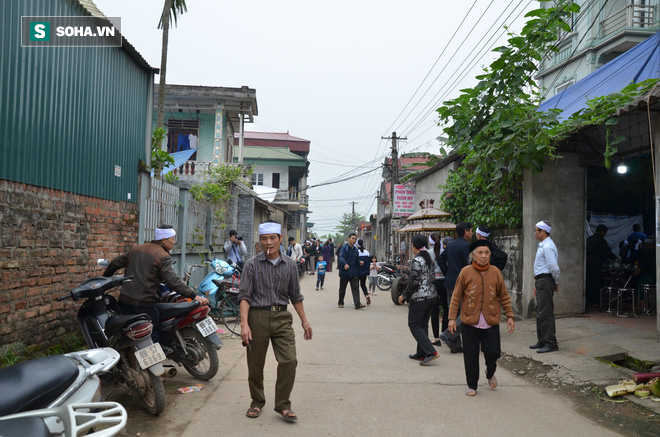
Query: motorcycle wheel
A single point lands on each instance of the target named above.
(207, 366)
(149, 388)
(396, 282)
(230, 314)
(384, 283)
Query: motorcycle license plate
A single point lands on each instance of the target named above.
(150, 355)
(207, 326)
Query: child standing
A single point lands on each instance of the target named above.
(320, 269)
(373, 275)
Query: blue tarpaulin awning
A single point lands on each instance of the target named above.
(180, 158)
(633, 66)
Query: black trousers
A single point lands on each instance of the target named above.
(343, 282)
(363, 284)
(489, 340)
(442, 302)
(419, 314)
(545, 311)
(594, 281)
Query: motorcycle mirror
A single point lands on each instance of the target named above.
(102, 262)
(211, 248)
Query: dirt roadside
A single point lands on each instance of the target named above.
(619, 415)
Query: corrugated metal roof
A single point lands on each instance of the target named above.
(96, 12)
(274, 139)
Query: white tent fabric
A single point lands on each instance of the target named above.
(619, 227)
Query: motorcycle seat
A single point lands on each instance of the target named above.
(24, 426)
(35, 384)
(169, 310)
(117, 323)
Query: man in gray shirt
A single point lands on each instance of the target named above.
(269, 281)
(546, 284)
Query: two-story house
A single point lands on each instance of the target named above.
(601, 31)
(280, 166)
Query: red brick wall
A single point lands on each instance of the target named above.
(49, 243)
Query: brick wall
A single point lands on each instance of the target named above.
(49, 242)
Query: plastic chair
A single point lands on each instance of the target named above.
(647, 301)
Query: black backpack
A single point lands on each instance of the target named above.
(498, 257)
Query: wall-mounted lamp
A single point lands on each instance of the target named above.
(622, 168)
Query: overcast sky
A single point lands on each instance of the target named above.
(337, 74)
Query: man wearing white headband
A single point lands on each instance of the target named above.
(546, 284)
(150, 264)
(268, 282)
(498, 257)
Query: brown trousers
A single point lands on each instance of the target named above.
(274, 327)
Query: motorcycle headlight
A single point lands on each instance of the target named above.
(219, 269)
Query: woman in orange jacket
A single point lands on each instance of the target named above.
(481, 294)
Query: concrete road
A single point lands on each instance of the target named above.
(355, 378)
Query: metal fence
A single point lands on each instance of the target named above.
(161, 206)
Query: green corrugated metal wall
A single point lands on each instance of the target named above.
(68, 115)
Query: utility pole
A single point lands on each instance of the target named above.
(394, 179)
(353, 217)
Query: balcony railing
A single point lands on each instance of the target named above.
(632, 16)
(194, 171)
(291, 195)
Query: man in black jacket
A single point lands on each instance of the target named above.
(451, 262)
(150, 264)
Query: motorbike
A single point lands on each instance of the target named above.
(220, 286)
(188, 336)
(59, 395)
(386, 273)
(102, 325)
(300, 263)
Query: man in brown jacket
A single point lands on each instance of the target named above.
(150, 264)
(481, 292)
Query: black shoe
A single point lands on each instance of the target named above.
(429, 358)
(437, 342)
(536, 346)
(546, 349)
(416, 357)
(456, 350)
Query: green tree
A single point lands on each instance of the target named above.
(498, 129)
(348, 223)
(171, 10)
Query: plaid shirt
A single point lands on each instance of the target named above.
(264, 284)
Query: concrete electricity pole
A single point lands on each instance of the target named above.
(394, 179)
(353, 217)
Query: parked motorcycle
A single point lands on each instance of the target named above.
(187, 335)
(220, 287)
(301, 266)
(386, 273)
(102, 325)
(59, 395)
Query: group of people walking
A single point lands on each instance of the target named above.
(462, 278)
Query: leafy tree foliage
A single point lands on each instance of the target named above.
(498, 129)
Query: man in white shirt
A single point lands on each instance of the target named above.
(296, 249)
(546, 284)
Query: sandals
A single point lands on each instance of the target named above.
(253, 412)
(287, 415)
(471, 392)
(368, 300)
(492, 382)
(341, 306)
